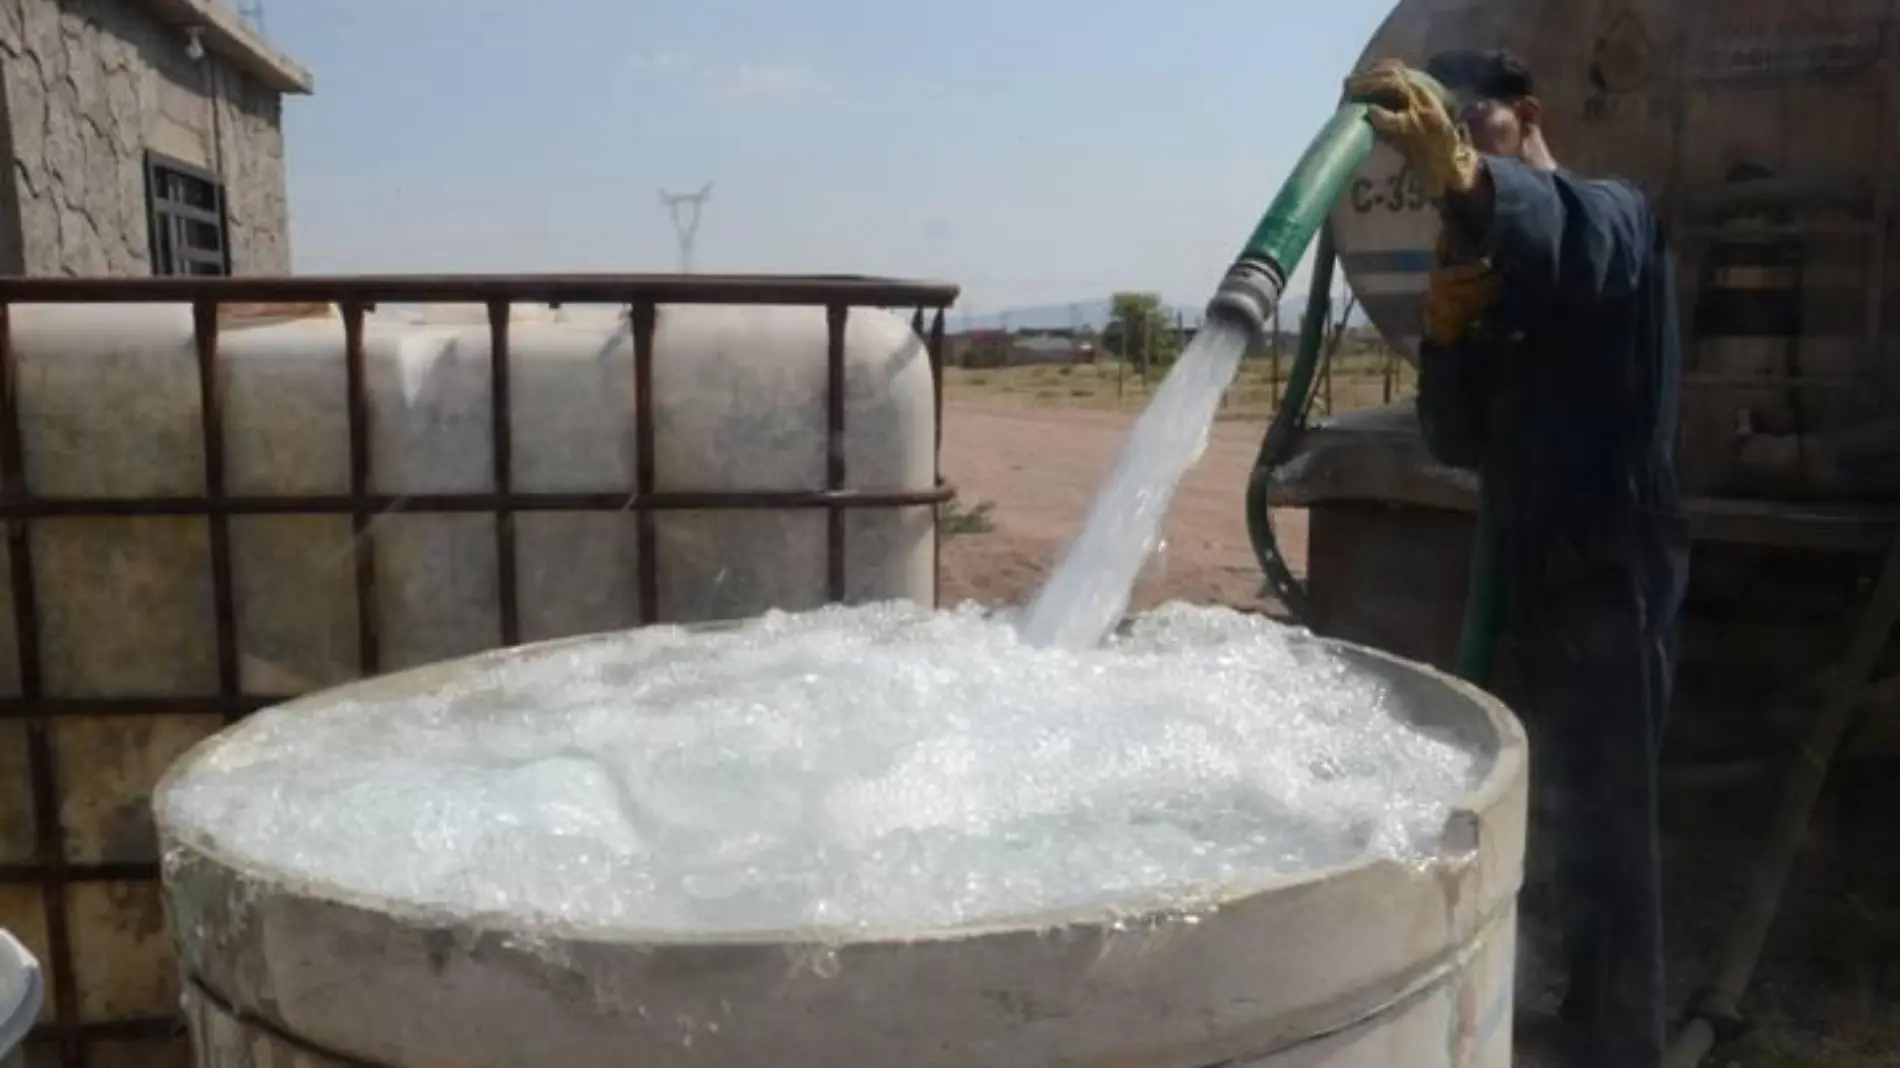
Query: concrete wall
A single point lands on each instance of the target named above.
(88, 86)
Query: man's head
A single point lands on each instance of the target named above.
(1496, 103)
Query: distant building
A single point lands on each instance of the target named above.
(141, 137)
(1000, 348)
(1052, 347)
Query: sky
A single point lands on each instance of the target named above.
(1033, 152)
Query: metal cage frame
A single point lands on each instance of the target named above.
(71, 1038)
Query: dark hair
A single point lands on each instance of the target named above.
(1494, 75)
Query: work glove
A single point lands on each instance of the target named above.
(1459, 291)
(1414, 120)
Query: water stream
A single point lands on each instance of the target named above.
(1087, 594)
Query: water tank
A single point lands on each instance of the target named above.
(152, 612)
(110, 410)
(1765, 132)
(1369, 964)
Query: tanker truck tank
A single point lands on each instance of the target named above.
(1775, 176)
(1764, 132)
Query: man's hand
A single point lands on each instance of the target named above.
(1458, 294)
(1412, 119)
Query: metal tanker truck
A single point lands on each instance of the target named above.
(1767, 135)
(1767, 132)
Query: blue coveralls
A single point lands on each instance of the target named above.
(1564, 399)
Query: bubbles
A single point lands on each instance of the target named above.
(882, 768)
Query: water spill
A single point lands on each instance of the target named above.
(1088, 592)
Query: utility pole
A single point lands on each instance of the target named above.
(252, 11)
(686, 208)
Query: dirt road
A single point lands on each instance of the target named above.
(1039, 469)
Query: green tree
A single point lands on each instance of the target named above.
(1142, 330)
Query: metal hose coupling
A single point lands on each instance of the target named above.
(1247, 295)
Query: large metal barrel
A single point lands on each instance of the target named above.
(1758, 128)
(1369, 964)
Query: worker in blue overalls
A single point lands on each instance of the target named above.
(1550, 365)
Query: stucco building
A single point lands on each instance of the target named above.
(142, 137)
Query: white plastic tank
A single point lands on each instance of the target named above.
(1370, 964)
(21, 992)
(1765, 134)
(110, 408)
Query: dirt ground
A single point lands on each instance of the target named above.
(1826, 994)
(1038, 468)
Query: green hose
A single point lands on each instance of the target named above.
(1247, 296)
(1283, 434)
(1310, 192)
(1477, 638)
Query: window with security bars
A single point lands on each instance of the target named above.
(187, 218)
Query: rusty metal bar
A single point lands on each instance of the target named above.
(835, 317)
(204, 326)
(501, 428)
(18, 874)
(643, 320)
(132, 1029)
(49, 832)
(75, 1040)
(934, 347)
(13, 488)
(233, 706)
(483, 288)
(53, 879)
(362, 511)
(439, 503)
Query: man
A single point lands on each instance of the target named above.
(1550, 365)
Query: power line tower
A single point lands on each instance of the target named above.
(686, 208)
(252, 11)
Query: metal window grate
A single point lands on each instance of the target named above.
(187, 218)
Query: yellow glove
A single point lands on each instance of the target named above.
(1457, 296)
(1412, 119)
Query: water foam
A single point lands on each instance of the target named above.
(1087, 593)
(882, 768)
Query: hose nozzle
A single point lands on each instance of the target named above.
(1252, 287)
(1248, 294)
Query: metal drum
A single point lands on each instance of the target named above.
(1369, 963)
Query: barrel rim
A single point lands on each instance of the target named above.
(1492, 790)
